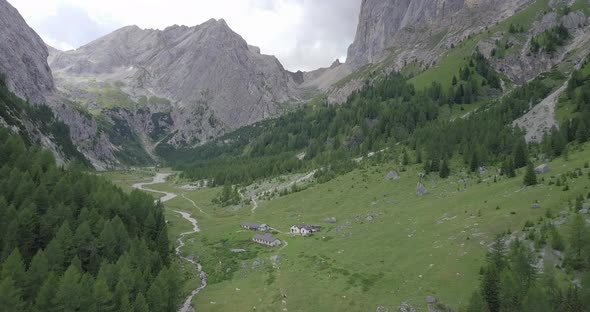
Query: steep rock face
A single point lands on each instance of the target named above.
(393, 33)
(523, 66)
(23, 57)
(214, 80)
(23, 62)
(86, 134)
(418, 29)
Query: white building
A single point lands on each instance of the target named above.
(304, 229)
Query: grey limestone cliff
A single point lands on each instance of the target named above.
(23, 57)
(212, 78)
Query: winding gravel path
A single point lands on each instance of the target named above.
(160, 178)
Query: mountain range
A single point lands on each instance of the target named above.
(132, 91)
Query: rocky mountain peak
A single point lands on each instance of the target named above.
(213, 80)
(419, 28)
(335, 64)
(23, 57)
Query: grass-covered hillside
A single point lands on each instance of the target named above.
(388, 245)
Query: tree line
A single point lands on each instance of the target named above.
(510, 282)
(72, 241)
(381, 114)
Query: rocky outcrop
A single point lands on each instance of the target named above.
(23, 57)
(421, 29)
(393, 33)
(212, 78)
(23, 63)
(541, 118)
(392, 175)
(524, 66)
(421, 190)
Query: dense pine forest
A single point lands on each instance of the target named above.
(71, 241)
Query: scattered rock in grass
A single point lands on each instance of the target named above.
(256, 263)
(370, 218)
(406, 307)
(275, 259)
(483, 170)
(421, 189)
(583, 211)
(558, 223)
(536, 205)
(382, 309)
(392, 175)
(330, 220)
(586, 206)
(544, 168)
(430, 302)
(238, 250)
(577, 282)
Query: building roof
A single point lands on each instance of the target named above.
(265, 238)
(251, 224)
(304, 226)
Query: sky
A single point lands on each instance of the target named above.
(302, 34)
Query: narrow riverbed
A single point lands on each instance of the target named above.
(160, 178)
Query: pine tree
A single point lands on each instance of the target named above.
(37, 273)
(578, 244)
(13, 268)
(572, 301)
(530, 177)
(490, 289)
(445, 171)
(68, 295)
(158, 293)
(10, 296)
(102, 296)
(508, 168)
(140, 304)
(55, 256)
(474, 163)
(476, 302)
(44, 298)
(405, 158)
(121, 294)
(107, 242)
(509, 292)
(84, 243)
(520, 155)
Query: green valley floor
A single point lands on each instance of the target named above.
(388, 245)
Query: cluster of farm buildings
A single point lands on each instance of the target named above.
(267, 239)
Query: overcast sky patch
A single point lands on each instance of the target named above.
(303, 34)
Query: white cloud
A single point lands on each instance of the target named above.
(303, 34)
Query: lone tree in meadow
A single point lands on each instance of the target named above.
(530, 177)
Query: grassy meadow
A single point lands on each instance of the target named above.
(388, 245)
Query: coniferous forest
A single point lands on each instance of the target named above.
(387, 112)
(71, 241)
